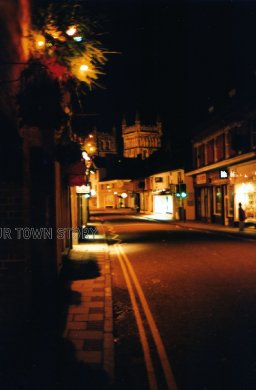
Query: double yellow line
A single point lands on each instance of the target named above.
(134, 288)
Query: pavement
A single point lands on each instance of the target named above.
(89, 315)
(248, 232)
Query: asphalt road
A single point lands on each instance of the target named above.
(200, 292)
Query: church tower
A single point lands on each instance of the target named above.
(141, 140)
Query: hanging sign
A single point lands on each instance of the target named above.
(223, 174)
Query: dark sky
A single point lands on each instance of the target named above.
(176, 60)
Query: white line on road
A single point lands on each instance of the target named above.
(151, 322)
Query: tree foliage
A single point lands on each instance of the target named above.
(65, 57)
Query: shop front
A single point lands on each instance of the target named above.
(163, 205)
(212, 197)
(243, 181)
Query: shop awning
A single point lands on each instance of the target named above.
(76, 174)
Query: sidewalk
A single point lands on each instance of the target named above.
(87, 311)
(249, 232)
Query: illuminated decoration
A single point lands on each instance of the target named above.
(67, 45)
(84, 68)
(60, 64)
(71, 31)
(89, 145)
(78, 39)
(85, 156)
(233, 174)
(124, 195)
(53, 31)
(40, 41)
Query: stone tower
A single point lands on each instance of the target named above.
(106, 143)
(141, 140)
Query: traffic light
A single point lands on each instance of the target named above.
(178, 190)
(181, 191)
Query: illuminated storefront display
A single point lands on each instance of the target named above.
(163, 204)
(243, 179)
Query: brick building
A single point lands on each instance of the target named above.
(224, 171)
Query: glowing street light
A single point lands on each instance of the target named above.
(78, 38)
(85, 156)
(84, 68)
(71, 31)
(40, 41)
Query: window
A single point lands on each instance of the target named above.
(210, 152)
(231, 200)
(218, 200)
(220, 147)
(231, 152)
(240, 139)
(201, 156)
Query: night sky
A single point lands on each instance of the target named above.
(174, 60)
(177, 60)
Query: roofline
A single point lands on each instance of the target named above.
(220, 164)
(115, 180)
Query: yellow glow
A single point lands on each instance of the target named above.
(71, 31)
(84, 68)
(85, 156)
(91, 247)
(54, 32)
(242, 192)
(40, 41)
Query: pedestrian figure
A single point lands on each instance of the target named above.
(241, 217)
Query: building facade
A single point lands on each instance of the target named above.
(225, 171)
(160, 195)
(114, 193)
(141, 140)
(99, 143)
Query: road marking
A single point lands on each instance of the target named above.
(169, 377)
(143, 338)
